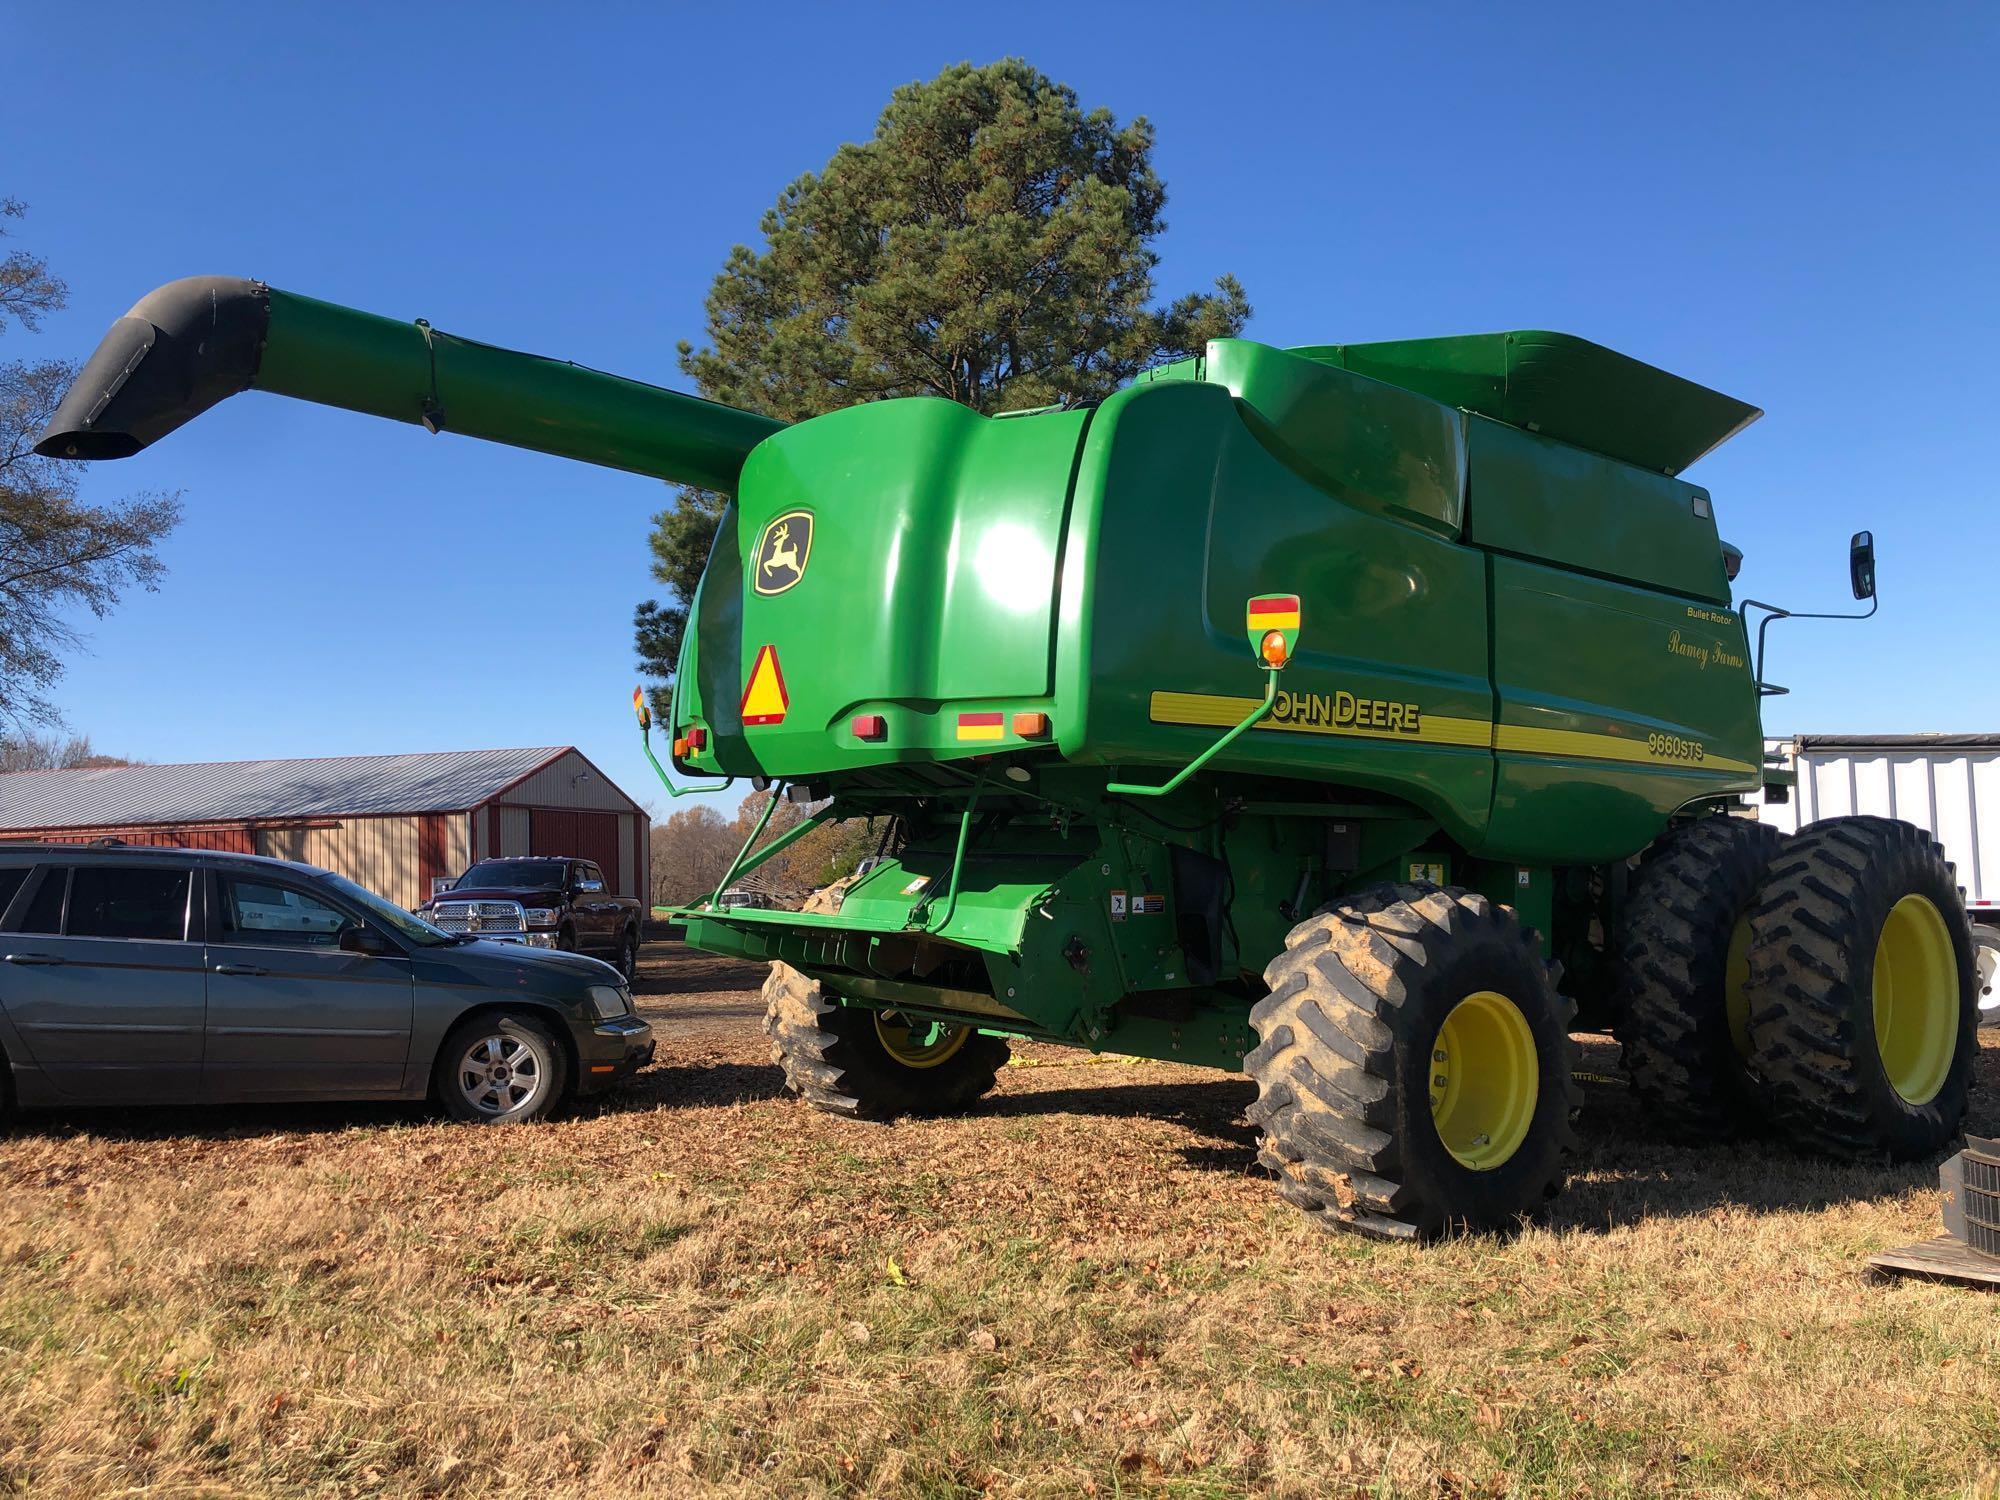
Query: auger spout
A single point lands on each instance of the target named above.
(192, 343)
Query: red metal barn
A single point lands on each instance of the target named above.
(394, 823)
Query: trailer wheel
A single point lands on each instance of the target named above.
(1682, 1018)
(1986, 959)
(1413, 1068)
(1863, 989)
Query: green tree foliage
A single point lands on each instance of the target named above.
(991, 243)
(58, 555)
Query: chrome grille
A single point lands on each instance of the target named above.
(480, 918)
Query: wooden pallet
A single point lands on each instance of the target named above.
(1941, 1259)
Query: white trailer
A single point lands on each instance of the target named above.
(1947, 783)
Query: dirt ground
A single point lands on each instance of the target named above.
(699, 1286)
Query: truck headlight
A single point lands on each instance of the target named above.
(541, 916)
(610, 1000)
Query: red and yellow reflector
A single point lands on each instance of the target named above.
(764, 697)
(639, 708)
(697, 738)
(1031, 726)
(1274, 628)
(982, 726)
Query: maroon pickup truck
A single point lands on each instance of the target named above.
(545, 901)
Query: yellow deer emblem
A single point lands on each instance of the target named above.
(783, 552)
(780, 553)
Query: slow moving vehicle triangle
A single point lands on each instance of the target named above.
(765, 699)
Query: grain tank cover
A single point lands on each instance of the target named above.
(1559, 385)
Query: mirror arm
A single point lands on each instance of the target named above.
(1774, 612)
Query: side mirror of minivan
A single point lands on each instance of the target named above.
(365, 941)
(1861, 564)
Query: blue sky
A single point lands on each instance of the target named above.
(1794, 204)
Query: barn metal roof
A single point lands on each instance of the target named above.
(242, 790)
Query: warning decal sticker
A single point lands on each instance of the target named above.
(764, 698)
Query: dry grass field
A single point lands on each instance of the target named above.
(700, 1287)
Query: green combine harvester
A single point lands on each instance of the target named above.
(1348, 716)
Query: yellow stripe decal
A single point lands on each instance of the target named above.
(1675, 753)
(1302, 713)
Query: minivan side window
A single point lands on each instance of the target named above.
(277, 916)
(132, 901)
(44, 913)
(10, 885)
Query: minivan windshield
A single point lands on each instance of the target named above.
(514, 874)
(410, 928)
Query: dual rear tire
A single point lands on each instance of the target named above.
(1824, 984)
(1681, 1008)
(1863, 990)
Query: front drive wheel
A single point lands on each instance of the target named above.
(1414, 1066)
(501, 1069)
(1863, 989)
(873, 1065)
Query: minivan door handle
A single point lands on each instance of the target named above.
(48, 959)
(245, 969)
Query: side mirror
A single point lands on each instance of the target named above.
(365, 941)
(1861, 564)
(589, 887)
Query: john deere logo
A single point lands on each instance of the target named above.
(782, 552)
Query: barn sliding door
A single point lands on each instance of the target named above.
(579, 835)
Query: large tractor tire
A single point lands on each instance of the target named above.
(1681, 1013)
(1863, 990)
(1413, 1068)
(866, 1064)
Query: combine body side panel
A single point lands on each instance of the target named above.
(1537, 498)
(1618, 705)
(1181, 514)
(1621, 672)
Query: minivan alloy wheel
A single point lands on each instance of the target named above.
(502, 1074)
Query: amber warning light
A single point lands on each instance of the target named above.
(1274, 628)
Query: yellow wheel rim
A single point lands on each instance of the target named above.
(917, 1043)
(1916, 999)
(1735, 979)
(1484, 1080)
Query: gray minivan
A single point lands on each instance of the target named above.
(176, 976)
